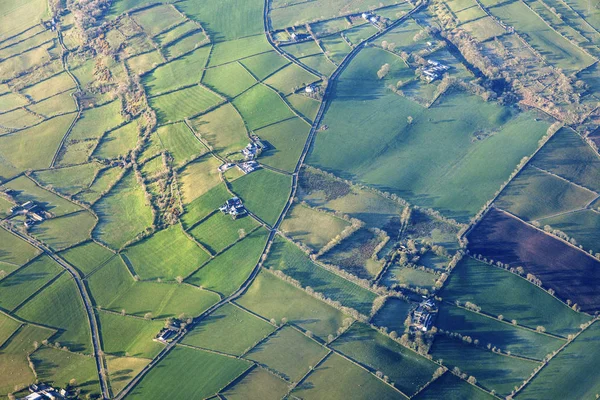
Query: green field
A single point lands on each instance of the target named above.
(307, 107)
(198, 177)
(355, 254)
(264, 193)
(450, 387)
(286, 140)
(271, 297)
(407, 370)
(69, 180)
(499, 292)
(338, 378)
(127, 336)
(571, 373)
(103, 181)
(66, 231)
(409, 277)
(118, 142)
(226, 272)
(8, 326)
(312, 227)
(252, 103)
(123, 213)
(184, 103)
(219, 231)
(188, 372)
(95, 121)
(204, 205)
(229, 80)
(257, 384)
(166, 254)
(582, 225)
(87, 257)
(290, 79)
(288, 258)
(26, 190)
(288, 352)
(15, 251)
(122, 369)
(225, 52)
(264, 64)
(222, 128)
(244, 330)
(393, 314)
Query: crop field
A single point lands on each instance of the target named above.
(500, 292)
(244, 331)
(288, 258)
(220, 231)
(407, 370)
(166, 255)
(202, 374)
(338, 378)
(312, 227)
(271, 297)
(569, 271)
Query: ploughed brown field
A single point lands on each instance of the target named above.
(572, 273)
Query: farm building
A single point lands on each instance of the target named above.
(254, 148)
(233, 207)
(33, 212)
(422, 317)
(41, 391)
(434, 70)
(248, 166)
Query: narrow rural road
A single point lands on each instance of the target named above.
(95, 333)
(131, 385)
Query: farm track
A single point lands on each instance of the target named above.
(95, 332)
(324, 103)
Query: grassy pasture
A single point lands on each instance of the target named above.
(15, 251)
(181, 72)
(123, 335)
(188, 372)
(205, 204)
(123, 213)
(13, 357)
(225, 52)
(335, 48)
(16, 66)
(264, 193)
(219, 231)
(406, 369)
(572, 273)
(304, 105)
(156, 19)
(290, 78)
(303, 49)
(492, 371)
(178, 140)
(222, 128)
(331, 26)
(121, 370)
(320, 63)
(118, 142)
(499, 292)
(113, 288)
(185, 45)
(8, 326)
(311, 227)
(289, 352)
(58, 367)
(409, 277)
(101, 183)
(338, 378)
(572, 373)
(228, 271)
(425, 228)
(484, 28)
(69, 180)
(170, 35)
(556, 49)
(25, 189)
(286, 140)
(95, 121)
(359, 34)
(76, 152)
(257, 384)
(264, 64)
(432, 175)
(228, 79)
(49, 87)
(120, 6)
(198, 177)
(18, 153)
(354, 254)
(535, 194)
(60, 306)
(228, 19)
(451, 387)
(17, 16)
(243, 331)
(582, 225)
(393, 314)
(183, 103)
(568, 156)
(10, 101)
(271, 297)
(166, 254)
(19, 119)
(253, 103)
(66, 231)
(292, 261)
(518, 341)
(144, 62)
(87, 257)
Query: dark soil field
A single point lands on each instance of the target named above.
(572, 273)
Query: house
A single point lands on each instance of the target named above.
(309, 89)
(248, 166)
(254, 148)
(225, 167)
(233, 207)
(167, 334)
(366, 16)
(41, 391)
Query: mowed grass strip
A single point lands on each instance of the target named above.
(289, 352)
(243, 329)
(113, 288)
(288, 258)
(228, 271)
(406, 369)
(167, 254)
(183, 103)
(312, 227)
(189, 372)
(271, 297)
(264, 193)
(500, 292)
(220, 230)
(338, 378)
(124, 335)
